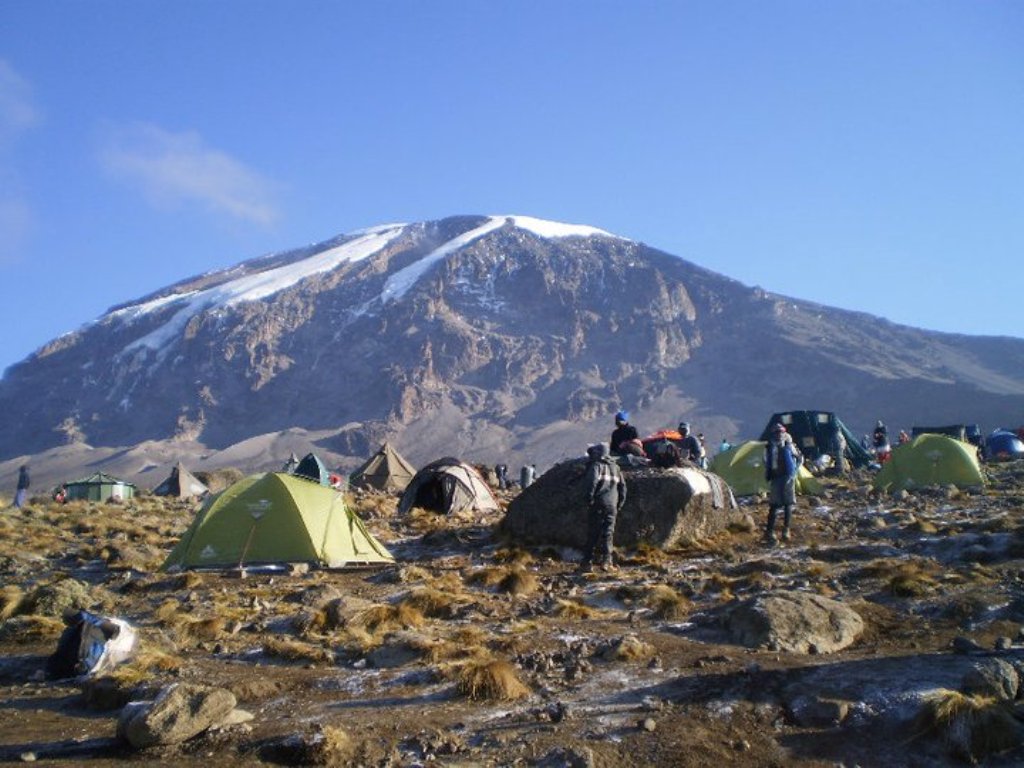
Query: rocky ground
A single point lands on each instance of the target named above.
(473, 650)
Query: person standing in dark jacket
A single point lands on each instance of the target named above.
(23, 483)
(605, 493)
(782, 461)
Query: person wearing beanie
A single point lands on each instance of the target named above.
(623, 434)
(605, 495)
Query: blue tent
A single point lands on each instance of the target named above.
(1003, 445)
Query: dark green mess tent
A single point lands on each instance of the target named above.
(812, 432)
(99, 487)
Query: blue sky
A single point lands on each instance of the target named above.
(868, 155)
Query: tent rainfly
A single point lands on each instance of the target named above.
(931, 459)
(181, 484)
(276, 518)
(742, 467)
(448, 486)
(313, 469)
(386, 470)
(99, 487)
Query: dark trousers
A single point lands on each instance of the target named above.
(600, 533)
(773, 512)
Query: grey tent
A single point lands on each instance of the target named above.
(450, 487)
(181, 484)
(387, 470)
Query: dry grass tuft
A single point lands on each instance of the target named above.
(330, 746)
(11, 598)
(647, 554)
(30, 629)
(492, 680)
(629, 648)
(386, 618)
(144, 666)
(295, 650)
(513, 556)
(570, 609)
(168, 612)
(489, 576)
(203, 629)
(666, 603)
(432, 602)
(911, 580)
(972, 727)
(519, 582)
(188, 580)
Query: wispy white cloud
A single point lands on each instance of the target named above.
(173, 168)
(18, 111)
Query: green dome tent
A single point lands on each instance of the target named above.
(742, 467)
(931, 459)
(276, 518)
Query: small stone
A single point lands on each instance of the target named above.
(28, 757)
(741, 745)
(964, 645)
(649, 724)
(1003, 644)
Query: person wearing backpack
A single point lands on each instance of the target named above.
(782, 461)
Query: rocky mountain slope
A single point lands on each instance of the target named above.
(486, 337)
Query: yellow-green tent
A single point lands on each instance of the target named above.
(931, 459)
(742, 467)
(276, 518)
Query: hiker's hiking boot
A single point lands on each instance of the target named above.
(609, 568)
(785, 534)
(585, 568)
(769, 540)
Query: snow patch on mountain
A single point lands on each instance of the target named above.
(400, 282)
(250, 287)
(365, 243)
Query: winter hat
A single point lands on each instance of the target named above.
(622, 416)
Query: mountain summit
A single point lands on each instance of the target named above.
(486, 337)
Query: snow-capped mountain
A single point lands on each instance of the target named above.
(489, 337)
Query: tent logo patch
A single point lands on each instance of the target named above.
(207, 552)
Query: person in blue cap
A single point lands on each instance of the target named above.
(624, 433)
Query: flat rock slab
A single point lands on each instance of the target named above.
(796, 622)
(664, 507)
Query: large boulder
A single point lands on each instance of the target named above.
(664, 507)
(178, 713)
(793, 621)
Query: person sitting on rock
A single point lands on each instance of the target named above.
(782, 461)
(605, 494)
(623, 434)
(692, 449)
